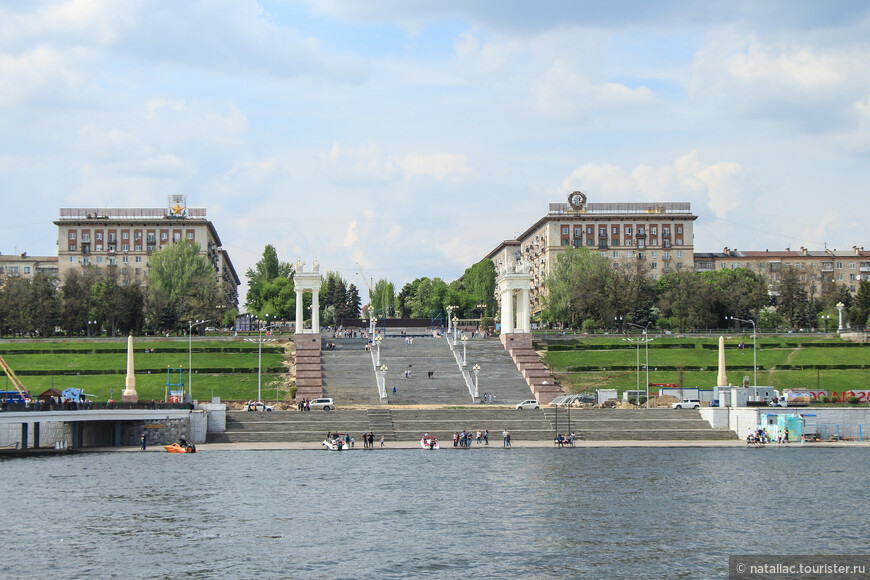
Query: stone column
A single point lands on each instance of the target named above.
(315, 312)
(507, 324)
(523, 311)
(300, 313)
(722, 379)
(129, 395)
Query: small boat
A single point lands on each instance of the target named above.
(176, 448)
(429, 442)
(336, 445)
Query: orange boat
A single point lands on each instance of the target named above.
(176, 448)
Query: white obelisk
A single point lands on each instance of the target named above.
(722, 380)
(129, 395)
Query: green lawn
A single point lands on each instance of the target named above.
(154, 361)
(771, 352)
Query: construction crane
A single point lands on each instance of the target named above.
(368, 281)
(16, 382)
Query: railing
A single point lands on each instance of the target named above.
(625, 208)
(37, 406)
(70, 213)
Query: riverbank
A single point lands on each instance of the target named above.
(494, 445)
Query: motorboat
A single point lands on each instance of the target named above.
(429, 442)
(336, 445)
(176, 448)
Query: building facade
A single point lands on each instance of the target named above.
(126, 238)
(821, 268)
(657, 237)
(24, 266)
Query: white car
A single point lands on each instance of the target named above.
(324, 403)
(528, 404)
(687, 404)
(258, 406)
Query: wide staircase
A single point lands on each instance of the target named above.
(499, 375)
(526, 425)
(348, 374)
(427, 353)
(634, 424)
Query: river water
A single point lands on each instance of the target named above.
(493, 513)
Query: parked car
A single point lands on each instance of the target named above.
(325, 403)
(258, 406)
(528, 404)
(687, 404)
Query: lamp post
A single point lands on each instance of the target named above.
(190, 325)
(646, 342)
(450, 309)
(754, 359)
(476, 369)
(840, 307)
(91, 323)
(378, 340)
(382, 381)
(464, 342)
(826, 318)
(455, 328)
(637, 373)
(260, 342)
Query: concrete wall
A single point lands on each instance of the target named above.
(740, 419)
(217, 416)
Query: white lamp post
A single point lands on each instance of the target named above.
(455, 328)
(476, 369)
(754, 359)
(190, 325)
(382, 381)
(378, 340)
(646, 342)
(840, 307)
(464, 342)
(90, 323)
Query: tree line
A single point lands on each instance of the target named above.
(589, 291)
(181, 286)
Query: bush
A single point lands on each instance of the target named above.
(824, 400)
(632, 401)
(642, 401)
(853, 400)
(292, 392)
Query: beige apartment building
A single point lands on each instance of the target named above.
(126, 237)
(657, 237)
(24, 266)
(849, 267)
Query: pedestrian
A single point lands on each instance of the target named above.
(365, 440)
(486, 436)
(507, 438)
(144, 440)
(394, 389)
(382, 440)
(479, 437)
(504, 438)
(455, 439)
(371, 440)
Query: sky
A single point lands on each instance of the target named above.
(394, 139)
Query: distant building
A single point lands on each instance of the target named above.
(24, 266)
(657, 237)
(126, 237)
(820, 267)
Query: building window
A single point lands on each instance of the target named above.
(653, 230)
(652, 255)
(138, 235)
(640, 243)
(72, 235)
(577, 233)
(678, 229)
(590, 230)
(679, 241)
(164, 236)
(111, 261)
(138, 247)
(27, 269)
(615, 230)
(72, 247)
(851, 265)
(615, 254)
(125, 247)
(564, 242)
(151, 239)
(98, 236)
(590, 242)
(851, 277)
(653, 265)
(679, 253)
(124, 259)
(111, 238)
(602, 232)
(71, 260)
(86, 237)
(138, 259)
(666, 232)
(99, 259)
(150, 247)
(125, 235)
(98, 247)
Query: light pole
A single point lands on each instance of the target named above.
(190, 325)
(450, 310)
(826, 318)
(464, 342)
(637, 342)
(646, 342)
(840, 307)
(382, 381)
(455, 328)
(90, 323)
(476, 369)
(378, 340)
(754, 359)
(260, 342)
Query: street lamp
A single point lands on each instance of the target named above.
(450, 310)
(637, 374)
(646, 342)
(190, 325)
(754, 359)
(90, 323)
(826, 318)
(476, 369)
(840, 307)
(618, 320)
(378, 340)
(260, 342)
(382, 381)
(464, 342)
(455, 328)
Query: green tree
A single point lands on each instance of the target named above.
(791, 303)
(182, 286)
(479, 282)
(45, 304)
(383, 297)
(265, 272)
(354, 302)
(572, 285)
(860, 310)
(17, 306)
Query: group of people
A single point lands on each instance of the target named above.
(304, 405)
(369, 440)
(329, 346)
(341, 332)
(464, 438)
(488, 398)
(759, 436)
(566, 440)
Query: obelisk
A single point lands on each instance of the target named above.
(722, 379)
(129, 395)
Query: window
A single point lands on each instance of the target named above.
(654, 230)
(839, 265)
(615, 254)
(71, 259)
(86, 237)
(138, 247)
(679, 241)
(99, 259)
(72, 247)
(627, 230)
(98, 247)
(640, 243)
(138, 259)
(124, 259)
(151, 239)
(86, 261)
(602, 232)
(564, 241)
(138, 235)
(641, 231)
(679, 253)
(653, 266)
(150, 247)
(111, 261)
(27, 269)
(164, 236)
(666, 255)
(176, 236)
(852, 277)
(564, 230)
(111, 238)
(851, 265)
(590, 242)
(72, 235)
(678, 229)
(615, 230)
(652, 255)
(577, 233)
(125, 235)
(98, 236)
(125, 247)
(590, 230)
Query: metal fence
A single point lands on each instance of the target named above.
(842, 431)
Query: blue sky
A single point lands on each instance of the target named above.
(413, 137)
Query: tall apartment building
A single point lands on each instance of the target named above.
(24, 266)
(126, 237)
(656, 236)
(819, 267)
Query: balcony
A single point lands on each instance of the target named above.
(641, 234)
(666, 233)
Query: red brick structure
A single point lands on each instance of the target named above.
(309, 377)
(537, 375)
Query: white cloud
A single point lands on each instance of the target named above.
(368, 162)
(44, 73)
(352, 235)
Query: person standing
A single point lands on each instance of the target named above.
(507, 438)
(382, 440)
(372, 440)
(486, 436)
(143, 438)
